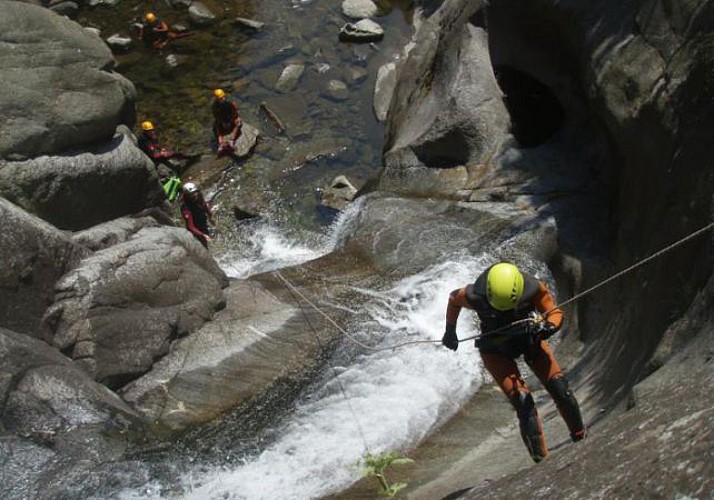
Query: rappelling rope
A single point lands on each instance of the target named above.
(633, 267)
(575, 297)
(295, 293)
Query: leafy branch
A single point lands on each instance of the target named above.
(375, 466)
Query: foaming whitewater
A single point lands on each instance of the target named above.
(264, 246)
(376, 401)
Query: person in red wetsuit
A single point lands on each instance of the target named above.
(502, 295)
(196, 213)
(227, 122)
(149, 143)
(156, 32)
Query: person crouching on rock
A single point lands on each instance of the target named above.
(156, 32)
(162, 157)
(502, 295)
(226, 122)
(196, 213)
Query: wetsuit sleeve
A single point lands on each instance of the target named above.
(544, 303)
(457, 300)
(190, 224)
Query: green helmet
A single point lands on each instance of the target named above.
(504, 286)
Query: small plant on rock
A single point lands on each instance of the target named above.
(375, 465)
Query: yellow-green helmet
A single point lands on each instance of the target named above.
(504, 286)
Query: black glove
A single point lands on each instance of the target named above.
(450, 340)
(543, 330)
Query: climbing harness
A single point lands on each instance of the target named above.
(544, 315)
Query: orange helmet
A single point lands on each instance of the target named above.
(147, 126)
(150, 17)
(219, 93)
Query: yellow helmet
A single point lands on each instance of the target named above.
(504, 286)
(147, 125)
(219, 93)
(150, 17)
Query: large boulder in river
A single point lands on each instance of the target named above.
(59, 89)
(78, 191)
(43, 393)
(121, 308)
(447, 109)
(267, 336)
(35, 255)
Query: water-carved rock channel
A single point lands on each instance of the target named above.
(553, 134)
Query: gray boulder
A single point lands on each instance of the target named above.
(59, 89)
(43, 393)
(261, 338)
(121, 308)
(35, 255)
(453, 118)
(359, 9)
(246, 140)
(383, 89)
(363, 31)
(78, 191)
(339, 193)
(200, 15)
(112, 232)
(290, 77)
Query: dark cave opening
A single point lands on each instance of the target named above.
(536, 113)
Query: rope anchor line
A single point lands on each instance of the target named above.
(572, 299)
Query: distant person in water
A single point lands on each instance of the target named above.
(168, 163)
(156, 32)
(227, 122)
(502, 295)
(196, 213)
(149, 144)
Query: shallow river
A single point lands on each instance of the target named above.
(375, 401)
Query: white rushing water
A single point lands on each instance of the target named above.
(392, 399)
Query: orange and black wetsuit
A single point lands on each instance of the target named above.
(499, 351)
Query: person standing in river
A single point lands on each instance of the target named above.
(501, 296)
(227, 122)
(196, 212)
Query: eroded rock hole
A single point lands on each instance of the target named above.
(536, 114)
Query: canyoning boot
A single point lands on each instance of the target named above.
(567, 406)
(530, 425)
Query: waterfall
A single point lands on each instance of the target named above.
(376, 400)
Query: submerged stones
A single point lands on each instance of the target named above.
(363, 31)
(359, 9)
(290, 77)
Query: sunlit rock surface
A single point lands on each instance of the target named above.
(59, 89)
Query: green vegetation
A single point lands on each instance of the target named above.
(375, 466)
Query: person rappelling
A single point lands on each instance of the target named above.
(504, 299)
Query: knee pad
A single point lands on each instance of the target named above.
(530, 427)
(524, 404)
(567, 405)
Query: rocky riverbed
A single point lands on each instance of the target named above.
(570, 137)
